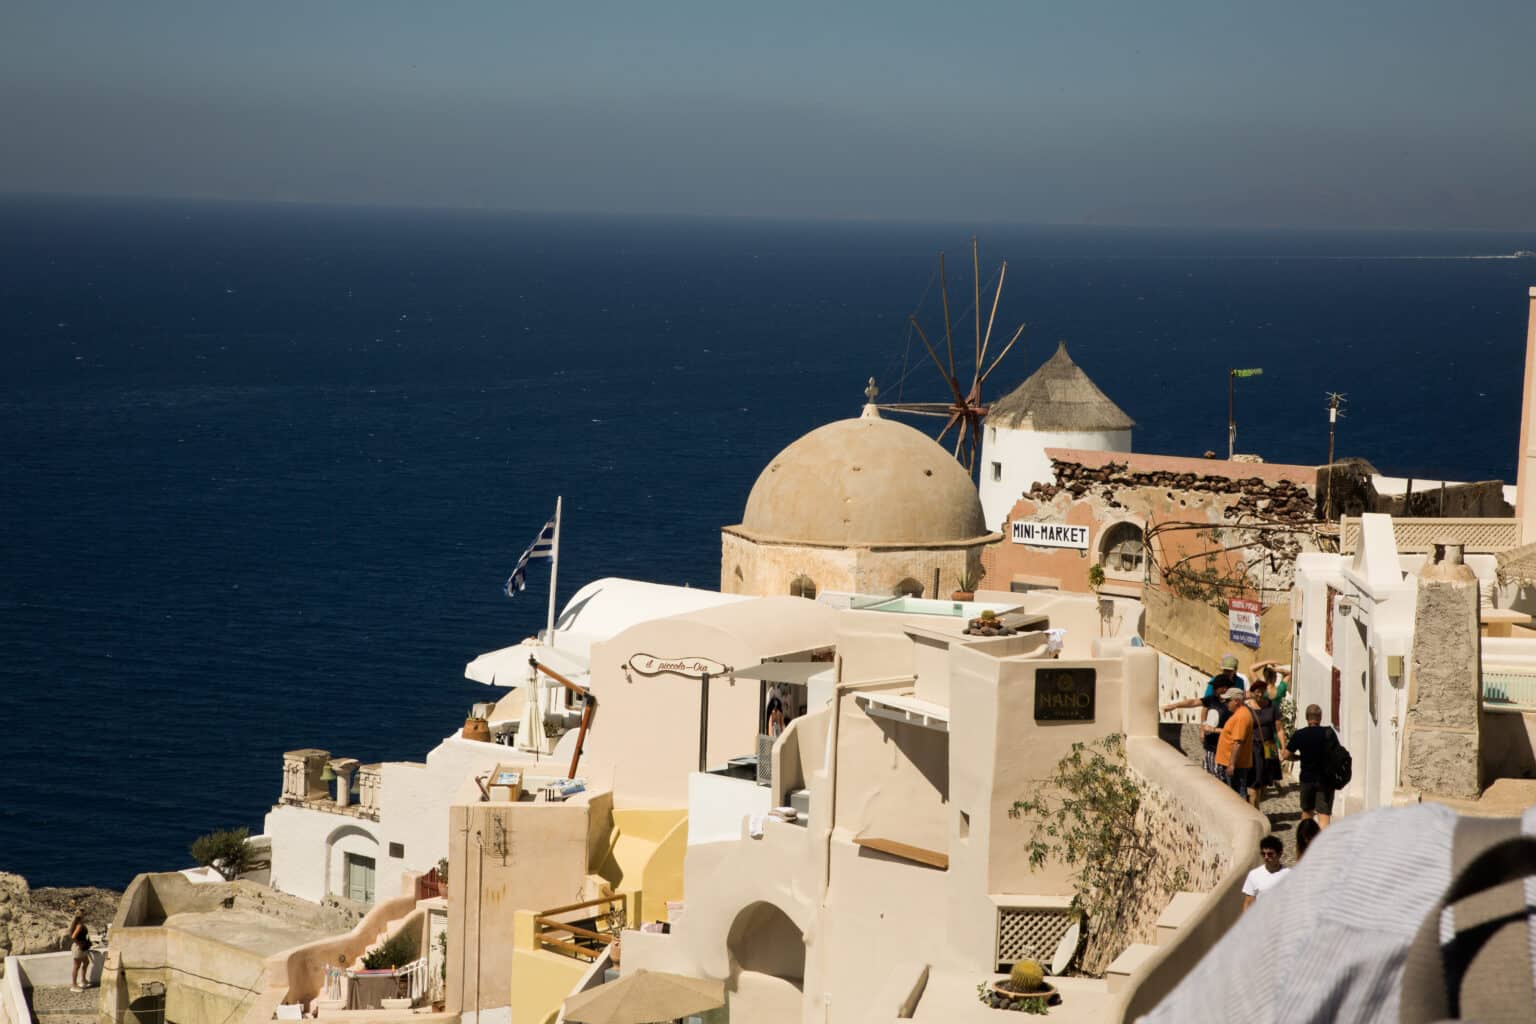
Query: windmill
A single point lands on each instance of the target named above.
(965, 410)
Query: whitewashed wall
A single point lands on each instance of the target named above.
(1024, 463)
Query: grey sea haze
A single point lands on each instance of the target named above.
(265, 468)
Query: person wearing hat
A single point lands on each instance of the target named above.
(1234, 748)
(1217, 685)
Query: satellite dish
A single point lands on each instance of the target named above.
(1067, 947)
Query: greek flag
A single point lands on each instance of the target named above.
(543, 546)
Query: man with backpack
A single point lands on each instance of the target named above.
(1325, 766)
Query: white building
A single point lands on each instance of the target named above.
(357, 834)
(1056, 407)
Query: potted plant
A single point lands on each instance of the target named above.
(476, 727)
(1025, 989)
(969, 580)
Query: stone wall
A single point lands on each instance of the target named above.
(1186, 858)
(765, 568)
(1225, 508)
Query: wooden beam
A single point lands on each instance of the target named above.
(916, 854)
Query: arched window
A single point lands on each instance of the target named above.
(908, 587)
(802, 586)
(1123, 550)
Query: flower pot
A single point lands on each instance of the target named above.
(1045, 995)
(476, 729)
(963, 595)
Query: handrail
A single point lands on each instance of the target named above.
(546, 927)
(618, 898)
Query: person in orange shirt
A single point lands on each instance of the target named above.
(1234, 748)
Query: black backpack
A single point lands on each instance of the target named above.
(1338, 769)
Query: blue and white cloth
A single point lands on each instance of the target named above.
(1329, 942)
(543, 546)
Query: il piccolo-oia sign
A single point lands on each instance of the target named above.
(651, 665)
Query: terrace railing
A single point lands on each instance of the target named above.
(582, 931)
(1510, 687)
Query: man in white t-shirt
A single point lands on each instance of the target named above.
(1267, 875)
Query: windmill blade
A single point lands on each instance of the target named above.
(996, 298)
(949, 335)
(938, 410)
(954, 385)
(976, 304)
(1016, 335)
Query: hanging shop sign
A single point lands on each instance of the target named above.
(1049, 535)
(1065, 694)
(697, 668)
(1243, 621)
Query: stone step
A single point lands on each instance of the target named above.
(56, 999)
(65, 1018)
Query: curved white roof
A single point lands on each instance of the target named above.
(598, 611)
(605, 608)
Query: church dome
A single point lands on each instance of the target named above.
(865, 482)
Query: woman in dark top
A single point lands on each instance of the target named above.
(80, 942)
(1270, 736)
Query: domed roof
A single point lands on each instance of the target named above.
(1059, 397)
(865, 481)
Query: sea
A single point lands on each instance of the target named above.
(264, 469)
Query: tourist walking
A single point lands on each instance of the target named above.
(1306, 831)
(1234, 747)
(80, 942)
(1268, 739)
(1276, 677)
(1217, 685)
(1268, 874)
(1215, 716)
(1312, 745)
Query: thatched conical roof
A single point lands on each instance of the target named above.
(1058, 397)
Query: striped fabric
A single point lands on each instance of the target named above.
(1328, 943)
(543, 546)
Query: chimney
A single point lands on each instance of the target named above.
(1525, 479)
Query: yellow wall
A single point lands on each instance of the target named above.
(540, 979)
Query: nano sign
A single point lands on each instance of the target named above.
(1049, 535)
(1065, 694)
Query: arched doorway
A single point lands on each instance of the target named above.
(767, 954)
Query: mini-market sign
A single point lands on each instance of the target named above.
(1049, 535)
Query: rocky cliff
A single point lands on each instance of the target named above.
(37, 920)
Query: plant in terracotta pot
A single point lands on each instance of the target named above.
(476, 727)
(968, 580)
(1025, 989)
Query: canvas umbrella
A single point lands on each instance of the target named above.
(645, 997)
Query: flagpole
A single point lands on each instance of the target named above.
(554, 568)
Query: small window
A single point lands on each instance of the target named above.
(397, 850)
(803, 586)
(997, 471)
(908, 587)
(1124, 550)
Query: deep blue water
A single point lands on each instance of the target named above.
(264, 469)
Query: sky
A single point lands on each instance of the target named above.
(1400, 114)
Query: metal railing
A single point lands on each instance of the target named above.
(1510, 686)
(588, 934)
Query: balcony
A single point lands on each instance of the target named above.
(338, 785)
(582, 931)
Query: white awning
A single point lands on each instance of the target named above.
(784, 671)
(905, 708)
(509, 666)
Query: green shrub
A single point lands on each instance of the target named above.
(396, 951)
(227, 851)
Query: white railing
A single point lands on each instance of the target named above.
(1510, 686)
(416, 975)
(335, 988)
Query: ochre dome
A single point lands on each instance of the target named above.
(866, 481)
